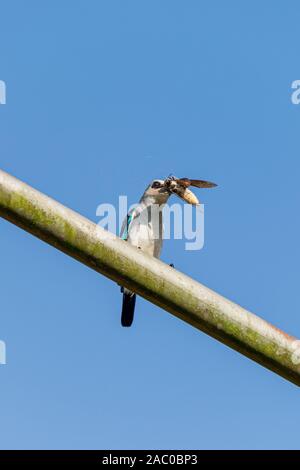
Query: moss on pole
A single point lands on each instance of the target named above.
(162, 285)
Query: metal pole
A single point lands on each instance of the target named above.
(173, 291)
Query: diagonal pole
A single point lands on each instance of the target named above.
(162, 285)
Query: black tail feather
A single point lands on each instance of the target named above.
(128, 309)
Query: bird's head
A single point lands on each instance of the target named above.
(157, 191)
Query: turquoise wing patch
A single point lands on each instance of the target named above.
(125, 233)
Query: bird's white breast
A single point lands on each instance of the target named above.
(147, 234)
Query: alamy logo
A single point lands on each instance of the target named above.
(2, 92)
(187, 222)
(2, 352)
(295, 96)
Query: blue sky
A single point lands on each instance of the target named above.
(103, 96)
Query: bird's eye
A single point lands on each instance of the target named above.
(156, 185)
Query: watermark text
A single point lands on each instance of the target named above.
(2, 92)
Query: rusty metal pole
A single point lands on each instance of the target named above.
(173, 291)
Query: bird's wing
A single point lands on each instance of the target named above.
(132, 214)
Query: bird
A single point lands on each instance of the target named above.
(143, 225)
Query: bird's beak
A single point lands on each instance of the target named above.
(165, 190)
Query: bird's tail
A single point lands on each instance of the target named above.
(128, 308)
